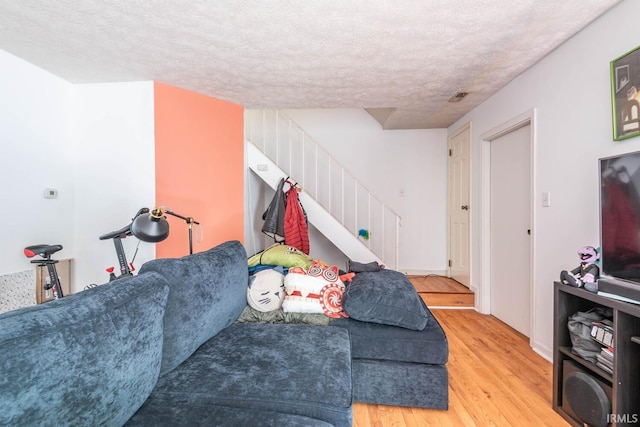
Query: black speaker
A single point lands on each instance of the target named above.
(585, 396)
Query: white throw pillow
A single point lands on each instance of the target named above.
(266, 291)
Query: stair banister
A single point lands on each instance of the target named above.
(258, 123)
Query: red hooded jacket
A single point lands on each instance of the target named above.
(296, 232)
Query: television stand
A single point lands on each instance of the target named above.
(624, 383)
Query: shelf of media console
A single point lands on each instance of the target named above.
(590, 366)
(622, 306)
(598, 300)
(625, 379)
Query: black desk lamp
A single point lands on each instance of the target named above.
(154, 227)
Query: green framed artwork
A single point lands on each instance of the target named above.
(625, 95)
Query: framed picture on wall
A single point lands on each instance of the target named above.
(625, 95)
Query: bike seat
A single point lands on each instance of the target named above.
(122, 233)
(42, 250)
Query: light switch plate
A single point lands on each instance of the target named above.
(50, 193)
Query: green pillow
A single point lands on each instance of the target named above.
(279, 254)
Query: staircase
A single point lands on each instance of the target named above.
(338, 206)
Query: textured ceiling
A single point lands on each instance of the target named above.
(401, 60)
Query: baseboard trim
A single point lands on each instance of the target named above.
(425, 272)
(543, 351)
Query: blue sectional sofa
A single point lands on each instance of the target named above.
(164, 348)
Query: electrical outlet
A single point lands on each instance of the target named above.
(263, 167)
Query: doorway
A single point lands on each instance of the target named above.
(459, 166)
(510, 224)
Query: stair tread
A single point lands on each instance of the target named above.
(442, 291)
(438, 284)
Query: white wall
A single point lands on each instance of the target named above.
(35, 143)
(254, 206)
(114, 172)
(95, 145)
(386, 161)
(570, 90)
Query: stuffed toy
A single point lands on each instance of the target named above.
(587, 273)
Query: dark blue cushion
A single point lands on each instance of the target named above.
(208, 291)
(385, 297)
(400, 384)
(384, 342)
(88, 359)
(184, 412)
(296, 369)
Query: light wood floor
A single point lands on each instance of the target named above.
(495, 379)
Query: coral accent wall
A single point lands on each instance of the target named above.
(199, 155)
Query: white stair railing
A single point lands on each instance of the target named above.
(326, 180)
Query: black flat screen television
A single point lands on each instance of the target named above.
(620, 225)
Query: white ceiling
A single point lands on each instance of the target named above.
(402, 60)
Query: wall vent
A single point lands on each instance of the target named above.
(458, 96)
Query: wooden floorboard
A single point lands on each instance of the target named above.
(495, 379)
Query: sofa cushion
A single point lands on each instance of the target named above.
(400, 384)
(90, 359)
(296, 369)
(385, 297)
(207, 292)
(184, 412)
(383, 342)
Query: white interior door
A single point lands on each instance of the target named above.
(459, 172)
(511, 228)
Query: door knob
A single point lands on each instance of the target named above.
(464, 207)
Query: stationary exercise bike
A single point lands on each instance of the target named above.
(45, 252)
(126, 268)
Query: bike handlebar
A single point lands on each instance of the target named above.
(124, 231)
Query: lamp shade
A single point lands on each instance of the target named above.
(150, 228)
